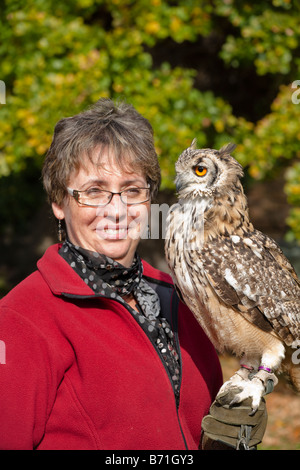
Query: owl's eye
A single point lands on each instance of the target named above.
(200, 170)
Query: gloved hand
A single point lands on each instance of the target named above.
(233, 427)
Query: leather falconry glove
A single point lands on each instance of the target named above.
(233, 428)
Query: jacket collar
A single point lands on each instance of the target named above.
(59, 275)
(62, 279)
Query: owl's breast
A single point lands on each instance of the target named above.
(222, 324)
(182, 247)
(184, 228)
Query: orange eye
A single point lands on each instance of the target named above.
(200, 170)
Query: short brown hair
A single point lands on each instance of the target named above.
(114, 126)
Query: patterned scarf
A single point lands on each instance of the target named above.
(109, 278)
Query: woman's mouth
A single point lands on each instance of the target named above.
(112, 233)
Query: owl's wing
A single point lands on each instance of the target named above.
(277, 253)
(252, 275)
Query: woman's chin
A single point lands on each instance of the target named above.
(119, 249)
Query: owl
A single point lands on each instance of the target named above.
(236, 280)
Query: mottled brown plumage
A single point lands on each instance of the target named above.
(236, 280)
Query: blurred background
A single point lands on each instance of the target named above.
(220, 71)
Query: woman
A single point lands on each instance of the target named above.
(100, 352)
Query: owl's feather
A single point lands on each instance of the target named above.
(246, 286)
(236, 280)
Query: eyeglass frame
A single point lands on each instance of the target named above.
(75, 193)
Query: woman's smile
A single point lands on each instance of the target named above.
(111, 233)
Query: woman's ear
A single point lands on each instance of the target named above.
(58, 211)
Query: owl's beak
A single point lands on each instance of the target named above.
(181, 183)
(178, 183)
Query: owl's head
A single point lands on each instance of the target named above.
(206, 172)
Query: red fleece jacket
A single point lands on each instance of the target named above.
(80, 373)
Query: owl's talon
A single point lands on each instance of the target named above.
(238, 389)
(230, 390)
(228, 395)
(234, 401)
(253, 411)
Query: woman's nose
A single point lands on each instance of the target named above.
(115, 208)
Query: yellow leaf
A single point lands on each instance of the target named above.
(219, 125)
(175, 24)
(152, 27)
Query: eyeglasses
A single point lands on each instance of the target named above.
(95, 197)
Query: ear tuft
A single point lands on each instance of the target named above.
(227, 149)
(193, 145)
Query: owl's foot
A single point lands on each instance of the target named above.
(240, 387)
(231, 391)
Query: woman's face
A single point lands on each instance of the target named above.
(113, 230)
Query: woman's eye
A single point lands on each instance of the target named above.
(200, 170)
(93, 191)
(133, 190)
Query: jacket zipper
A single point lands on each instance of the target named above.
(74, 296)
(168, 373)
(170, 379)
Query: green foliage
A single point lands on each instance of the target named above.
(59, 57)
(268, 36)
